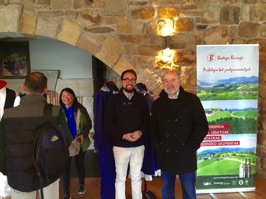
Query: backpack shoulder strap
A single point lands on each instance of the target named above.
(47, 111)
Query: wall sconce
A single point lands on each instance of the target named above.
(168, 27)
(167, 41)
(165, 59)
(166, 55)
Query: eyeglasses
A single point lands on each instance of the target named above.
(127, 80)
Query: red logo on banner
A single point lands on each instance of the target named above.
(211, 57)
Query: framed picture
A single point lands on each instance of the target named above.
(15, 61)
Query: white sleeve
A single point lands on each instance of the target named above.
(17, 101)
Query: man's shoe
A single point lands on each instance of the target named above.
(82, 189)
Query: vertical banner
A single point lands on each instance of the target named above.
(227, 85)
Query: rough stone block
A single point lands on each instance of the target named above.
(62, 5)
(70, 32)
(112, 9)
(122, 66)
(111, 51)
(88, 43)
(10, 17)
(46, 28)
(262, 138)
(248, 29)
(216, 35)
(230, 15)
(143, 13)
(28, 24)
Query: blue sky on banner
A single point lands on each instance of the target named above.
(230, 104)
(225, 62)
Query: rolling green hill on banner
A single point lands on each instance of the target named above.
(224, 163)
(241, 122)
(228, 92)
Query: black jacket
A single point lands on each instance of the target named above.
(178, 127)
(125, 116)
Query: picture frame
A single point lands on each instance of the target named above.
(14, 59)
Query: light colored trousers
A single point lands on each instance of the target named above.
(49, 192)
(134, 157)
(5, 189)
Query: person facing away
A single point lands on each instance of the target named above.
(178, 126)
(18, 129)
(126, 119)
(79, 127)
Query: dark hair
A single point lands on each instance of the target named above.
(36, 82)
(128, 71)
(75, 102)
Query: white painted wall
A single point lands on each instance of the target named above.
(72, 62)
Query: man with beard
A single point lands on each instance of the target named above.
(178, 127)
(126, 120)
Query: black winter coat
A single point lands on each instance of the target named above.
(178, 126)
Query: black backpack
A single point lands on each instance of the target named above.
(50, 153)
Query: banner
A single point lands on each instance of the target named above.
(227, 85)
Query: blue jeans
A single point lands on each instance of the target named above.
(187, 183)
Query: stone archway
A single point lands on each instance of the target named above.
(81, 28)
(16, 22)
(22, 20)
(125, 36)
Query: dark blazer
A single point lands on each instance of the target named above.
(178, 126)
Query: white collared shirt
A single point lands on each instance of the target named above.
(3, 100)
(175, 96)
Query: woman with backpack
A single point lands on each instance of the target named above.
(79, 124)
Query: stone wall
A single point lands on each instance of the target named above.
(123, 34)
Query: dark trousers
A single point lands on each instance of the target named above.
(187, 184)
(107, 172)
(79, 162)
